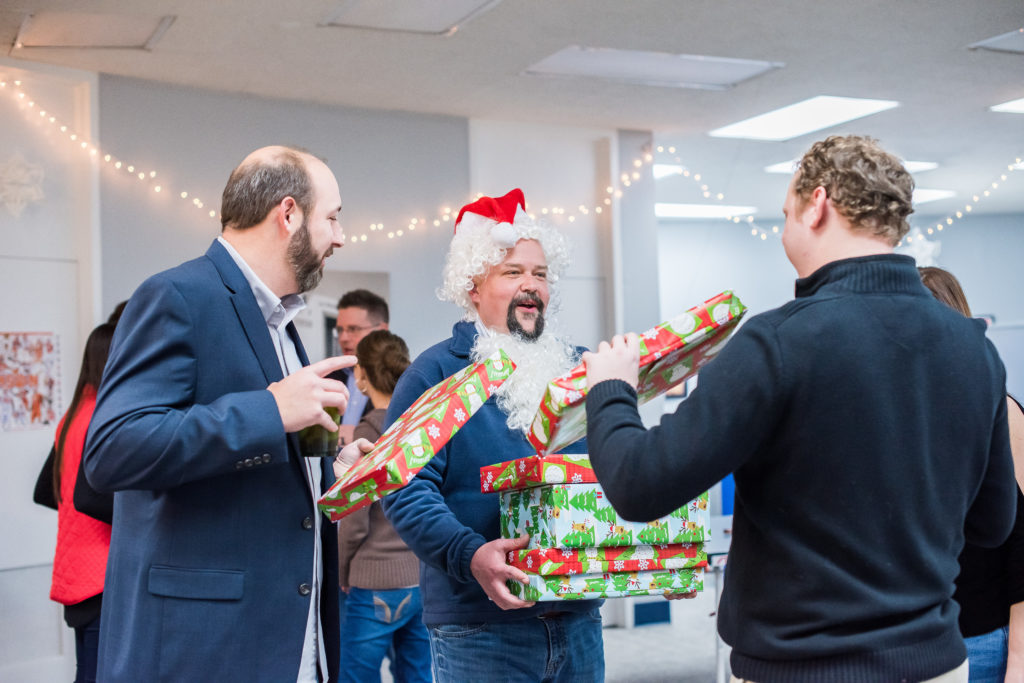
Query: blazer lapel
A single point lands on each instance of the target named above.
(248, 312)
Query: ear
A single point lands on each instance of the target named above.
(289, 216)
(474, 295)
(817, 208)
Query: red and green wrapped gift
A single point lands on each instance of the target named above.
(594, 560)
(416, 436)
(669, 354)
(608, 585)
(562, 468)
(578, 516)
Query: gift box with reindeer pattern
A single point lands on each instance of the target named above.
(578, 516)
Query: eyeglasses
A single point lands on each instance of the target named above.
(352, 329)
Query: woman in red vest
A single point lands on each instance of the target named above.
(83, 541)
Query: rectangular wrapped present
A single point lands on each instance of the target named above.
(416, 436)
(593, 560)
(578, 516)
(608, 585)
(669, 354)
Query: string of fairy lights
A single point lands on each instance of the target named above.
(637, 170)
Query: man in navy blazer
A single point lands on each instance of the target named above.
(220, 566)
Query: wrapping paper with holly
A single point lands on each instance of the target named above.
(669, 354)
(535, 470)
(608, 585)
(592, 560)
(578, 516)
(416, 436)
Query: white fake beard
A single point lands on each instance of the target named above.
(537, 363)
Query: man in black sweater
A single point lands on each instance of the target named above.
(857, 474)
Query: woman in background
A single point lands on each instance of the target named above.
(383, 612)
(80, 560)
(990, 588)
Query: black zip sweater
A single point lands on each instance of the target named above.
(866, 426)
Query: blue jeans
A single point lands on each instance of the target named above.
(384, 623)
(87, 641)
(986, 656)
(567, 648)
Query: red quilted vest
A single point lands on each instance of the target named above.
(82, 542)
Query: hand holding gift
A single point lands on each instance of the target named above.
(618, 360)
(491, 572)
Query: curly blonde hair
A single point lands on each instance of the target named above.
(867, 185)
(473, 251)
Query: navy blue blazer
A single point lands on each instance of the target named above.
(212, 546)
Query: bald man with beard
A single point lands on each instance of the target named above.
(220, 567)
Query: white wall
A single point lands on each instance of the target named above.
(47, 268)
(391, 167)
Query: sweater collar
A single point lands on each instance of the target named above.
(895, 273)
(463, 337)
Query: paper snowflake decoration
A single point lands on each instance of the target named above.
(566, 552)
(20, 184)
(433, 431)
(529, 562)
(573, 396)
(577, 478)
(619, 565)
(642, 564)
(459, 414)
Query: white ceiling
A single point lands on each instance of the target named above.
(913, 51)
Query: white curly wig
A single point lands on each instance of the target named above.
(481, 241)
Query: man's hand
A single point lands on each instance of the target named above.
(302, 395)
(349, 455)
(681, 596)
(490, 570)
(618, 360)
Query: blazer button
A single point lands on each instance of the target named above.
(307, 523)
(304, 589)
(238, 464)
(266, 457)
(248, 462)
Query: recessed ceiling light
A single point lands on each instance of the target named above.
(803, 117)
(665, 210)
(437, 17)
(640, 67)
(85, 30)
(923, 195)
(1012, 107)
(1006, 42)
(665, 170)
(789, 167)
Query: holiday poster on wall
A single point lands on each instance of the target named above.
(29, 380)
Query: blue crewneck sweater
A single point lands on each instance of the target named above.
(865, 423)
(441, 514)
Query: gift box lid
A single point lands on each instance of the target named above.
(669, 354)
(535, 470)
(420, 432)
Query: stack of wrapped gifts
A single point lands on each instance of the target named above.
(579, 547)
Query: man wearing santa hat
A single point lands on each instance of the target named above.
(502, 268)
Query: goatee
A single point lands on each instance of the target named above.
(512, 322)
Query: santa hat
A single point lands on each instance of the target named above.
(496, 215)
(484, 231)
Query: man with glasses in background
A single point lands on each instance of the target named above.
(360, 312)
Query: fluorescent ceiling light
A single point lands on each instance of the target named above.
(1006, 42)
(639, 67)
(665, 170)
(803, 117)
(437, 17)
(923, 195)
(85, 30)
(789, 167)
(701, 210)
(1012, 107)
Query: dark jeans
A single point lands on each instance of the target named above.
(564, 649)
(87, 640)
